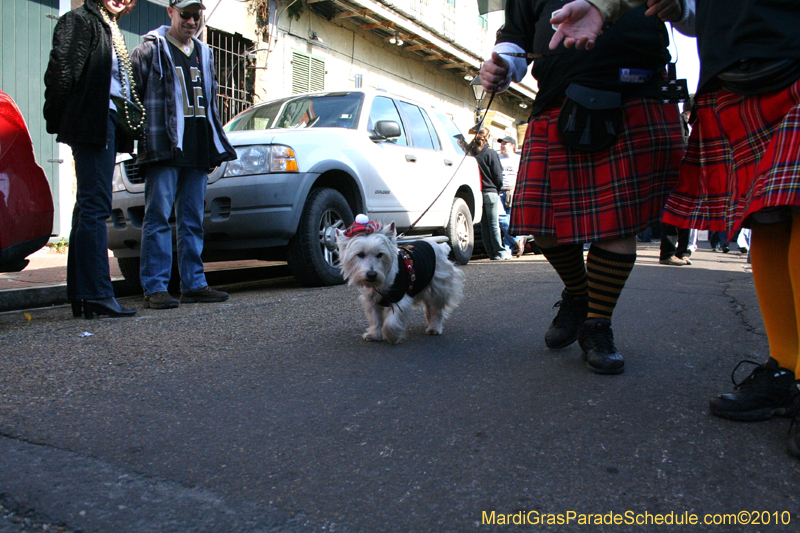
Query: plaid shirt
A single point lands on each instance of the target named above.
(158, 85)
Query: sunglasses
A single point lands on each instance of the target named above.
(185, 15)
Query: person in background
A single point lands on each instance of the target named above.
(603, 191)
(491, 184)
(718, 241)
(674, 250)
(85, 71)
(743, 241)
(175, 75)
(510, 161)
(741, 170)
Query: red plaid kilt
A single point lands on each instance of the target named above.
(743, 156)
(593, 196)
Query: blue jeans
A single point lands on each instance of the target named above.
(718, 239)
(186, 188)
(88, 274)
(509, 242)
(490, 225)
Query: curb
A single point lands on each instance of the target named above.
(49, 296)
(52, 295)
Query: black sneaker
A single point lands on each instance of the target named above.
(597, 342)
(204, 295)
(766, 392)
(794, 429)
(563, 331)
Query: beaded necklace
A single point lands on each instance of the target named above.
(118, 40)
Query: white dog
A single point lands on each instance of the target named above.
(392, 279)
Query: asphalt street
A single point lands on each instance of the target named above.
(268, 413)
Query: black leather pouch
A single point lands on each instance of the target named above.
(757, 76)
(590, 119)
(130, 118)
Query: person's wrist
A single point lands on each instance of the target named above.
(610, 10)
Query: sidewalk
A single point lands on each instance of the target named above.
(43, 282)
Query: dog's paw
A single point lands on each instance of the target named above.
(433, 331)
(371, 336)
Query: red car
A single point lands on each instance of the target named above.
(26, 203)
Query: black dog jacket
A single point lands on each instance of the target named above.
(416, 266)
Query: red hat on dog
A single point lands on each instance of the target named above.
(362, 225)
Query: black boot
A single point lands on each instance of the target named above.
(563, 331)
(766, 392)
(106, 306)
(794, 429)
(597, 342)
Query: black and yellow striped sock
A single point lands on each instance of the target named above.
(607, 273)
(567, 260)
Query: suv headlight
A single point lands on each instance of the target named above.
(262, 160)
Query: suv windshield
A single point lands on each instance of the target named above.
(333, 110)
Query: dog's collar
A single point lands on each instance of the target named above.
(408, 262)
(403, 282)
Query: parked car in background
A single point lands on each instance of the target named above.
(26, 202)
(307, 164)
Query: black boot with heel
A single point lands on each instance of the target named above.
(106, 306)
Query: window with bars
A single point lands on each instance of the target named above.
(308, 73)
(236, 81)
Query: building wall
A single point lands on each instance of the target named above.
(349, 52)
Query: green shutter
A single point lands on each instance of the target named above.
(308, 73)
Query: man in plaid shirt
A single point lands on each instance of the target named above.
(175, 76)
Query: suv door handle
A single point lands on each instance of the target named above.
(411, 158)
(448, 162)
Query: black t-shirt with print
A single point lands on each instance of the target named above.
(194, 107)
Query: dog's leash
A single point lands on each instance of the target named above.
(470, 146)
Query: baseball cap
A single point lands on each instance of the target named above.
(508, 140)
(183, 4)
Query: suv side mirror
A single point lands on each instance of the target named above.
(385, 129)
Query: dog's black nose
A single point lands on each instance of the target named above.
(371, 275)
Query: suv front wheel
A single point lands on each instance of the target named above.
(460, 232)
(313, 255)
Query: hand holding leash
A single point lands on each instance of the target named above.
(495, 71)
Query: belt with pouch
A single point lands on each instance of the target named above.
(590, 119)
(757, 76)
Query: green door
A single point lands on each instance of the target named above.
(26, 37)
(26, 30)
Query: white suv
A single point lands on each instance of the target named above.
(307, 164)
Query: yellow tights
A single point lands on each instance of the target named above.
(775, 257)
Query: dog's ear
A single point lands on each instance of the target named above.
(390, 231)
